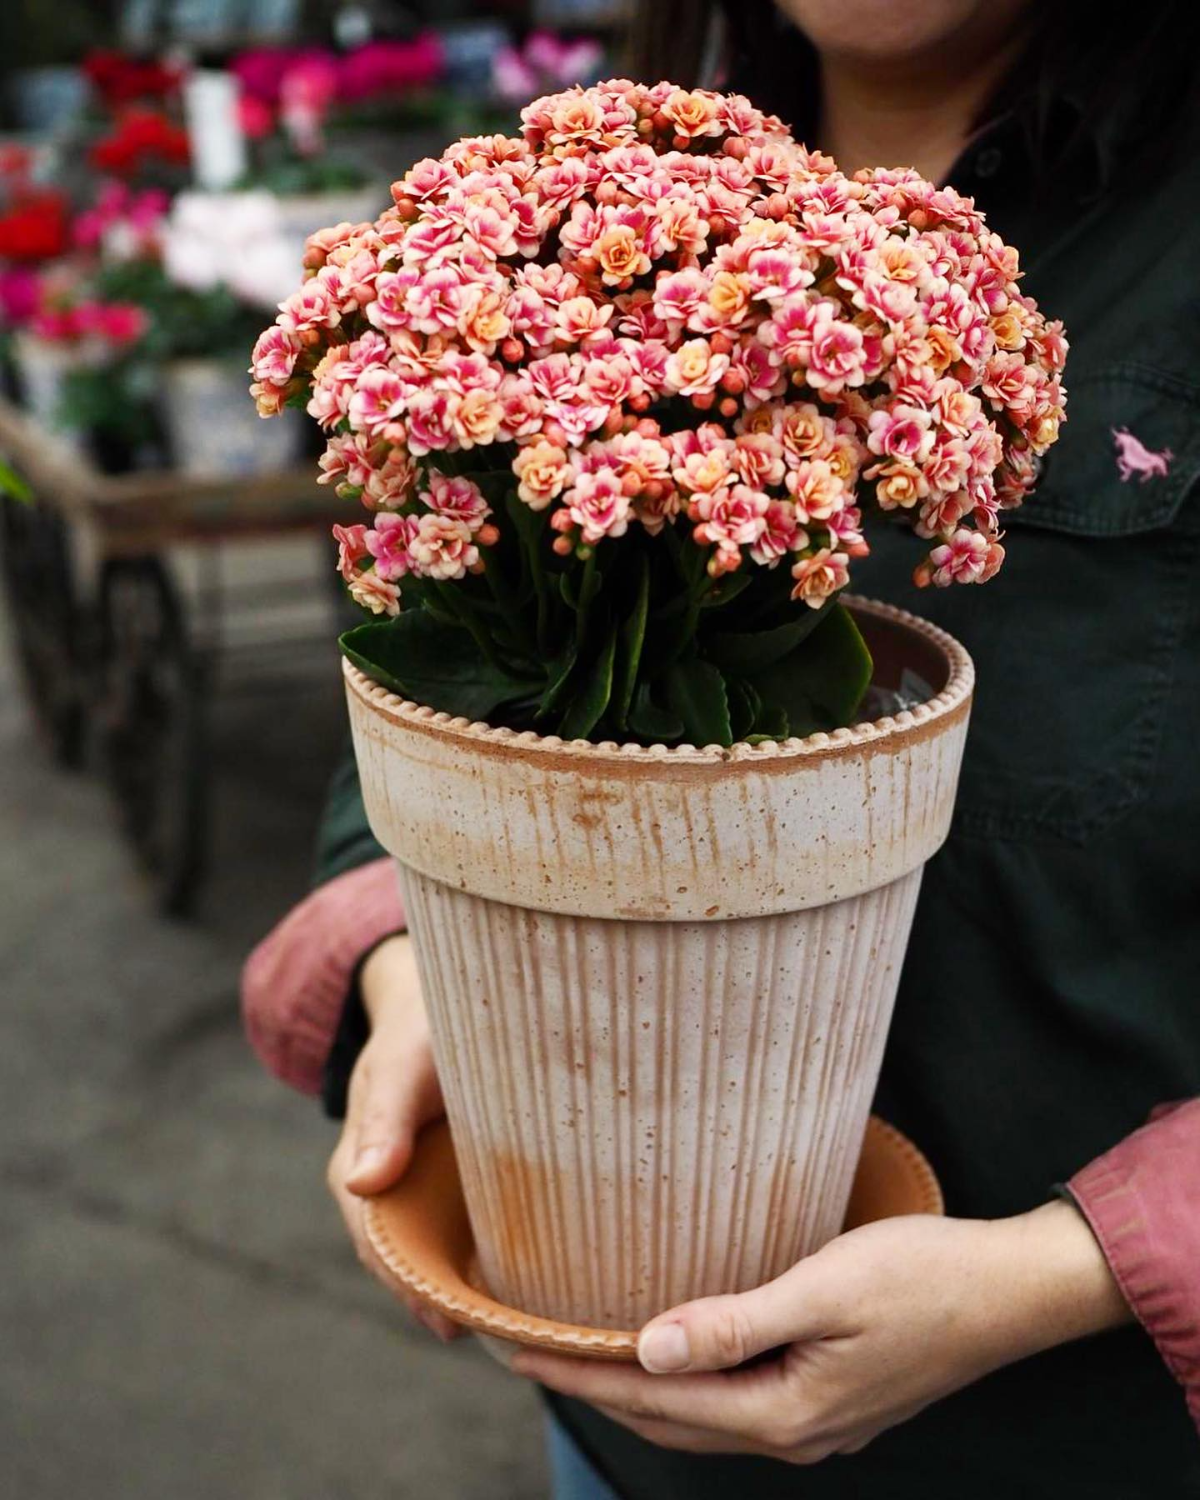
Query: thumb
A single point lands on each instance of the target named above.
(717, 1333)
(383, 1134)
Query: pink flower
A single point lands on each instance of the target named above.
(388, 543)
(430, 420)
(309, 310)
(730, 519)
(694, 369)
(838, 357)
(900, 432)
(820, 576)
(274, 357)
(352, 548)
(962, 558)
(458, 498)
(436, 300)
(379, 595)
(377, 400)
(781, 534)
(441, 547)
(598, 505)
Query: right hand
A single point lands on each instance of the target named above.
(394, 1091)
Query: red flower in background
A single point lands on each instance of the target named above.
(120, 80)
(35, 229)
(142, 135)
(256, 118)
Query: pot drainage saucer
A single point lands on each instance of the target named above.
(421, 1233)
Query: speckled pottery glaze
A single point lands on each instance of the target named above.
(660, 980)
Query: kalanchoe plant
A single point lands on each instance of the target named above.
(617, 393)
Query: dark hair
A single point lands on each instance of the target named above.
(1130, 83)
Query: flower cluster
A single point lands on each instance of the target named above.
(657, 309)
(92, 322)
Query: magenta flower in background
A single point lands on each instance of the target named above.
(20, 288)
(391, 67)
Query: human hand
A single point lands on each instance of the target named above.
(871, 1329)
(394, 1091)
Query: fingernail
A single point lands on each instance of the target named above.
(368, 1160)
(664, 1348)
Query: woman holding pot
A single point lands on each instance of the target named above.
(1047, 1009)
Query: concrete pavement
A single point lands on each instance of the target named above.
(181, 1317)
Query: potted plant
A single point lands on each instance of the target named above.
(77, 366)
(189, 357)
(624, 397)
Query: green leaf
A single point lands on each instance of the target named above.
(633, 633)
(13, 485)
(749, 651)
(744, 707)
(727, 589)
(650, 722)
(588, 705)
(560, 675)
(696, 692)
(820, 685)
(589, 587)
(440, 665)
(771, 724)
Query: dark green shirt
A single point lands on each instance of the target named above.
(1051, 995)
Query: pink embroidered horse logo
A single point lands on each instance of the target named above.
(1133, 457)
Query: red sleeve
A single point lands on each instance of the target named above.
(295, 983)
(1142, 1200)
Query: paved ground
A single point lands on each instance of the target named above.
(180, 1317)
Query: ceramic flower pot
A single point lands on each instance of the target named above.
(214, 431)
(660, 981)
(43, 366)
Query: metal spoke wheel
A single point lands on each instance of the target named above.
(40, 588)
(151, 726)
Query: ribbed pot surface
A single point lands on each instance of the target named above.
(660, 983)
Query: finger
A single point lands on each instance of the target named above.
(437, 1323)
(384, 1117)
(739, 1404)
(718, 1333)
(682, 1438)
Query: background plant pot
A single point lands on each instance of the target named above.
(213, 428)
(660, 981)
(42, 367)
(304, 213)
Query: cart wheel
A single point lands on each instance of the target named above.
(152, 729)
(39, 585)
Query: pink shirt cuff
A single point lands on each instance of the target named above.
(1142, 1200)
(295, 983)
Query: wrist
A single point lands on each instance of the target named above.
(388, 981)
(1058, 1285)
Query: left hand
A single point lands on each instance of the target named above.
(871, 1329)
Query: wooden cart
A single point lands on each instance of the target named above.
(112, 656)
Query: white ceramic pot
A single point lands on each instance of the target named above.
(213, 428)
(660, 981)
(43, 367)
(305, 213)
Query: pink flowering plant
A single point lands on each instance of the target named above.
(623, 397)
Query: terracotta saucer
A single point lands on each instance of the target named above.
(420, 1230)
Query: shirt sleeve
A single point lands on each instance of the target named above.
(296, 983)
(1142, 1200)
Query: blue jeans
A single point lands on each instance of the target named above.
(571, 1475)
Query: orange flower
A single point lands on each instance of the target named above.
(621, 254)
(692, 114)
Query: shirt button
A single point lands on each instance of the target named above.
(989, 161)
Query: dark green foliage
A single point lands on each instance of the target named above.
(633, 640)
